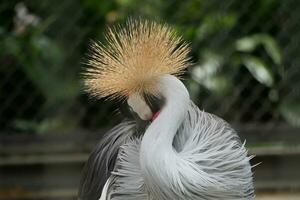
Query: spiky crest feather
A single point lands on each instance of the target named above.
(134, 57)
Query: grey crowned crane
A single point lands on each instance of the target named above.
(182, 153)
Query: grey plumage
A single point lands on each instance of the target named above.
(184, 154)
(204, 141)
(102, 160)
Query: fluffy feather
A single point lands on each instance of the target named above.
(134, 57)
(221, 168)
(102, 160)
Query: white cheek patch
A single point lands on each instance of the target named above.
(137, 103)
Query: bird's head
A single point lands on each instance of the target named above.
(130, 63)
(146, 107)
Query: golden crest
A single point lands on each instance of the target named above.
(133, 58)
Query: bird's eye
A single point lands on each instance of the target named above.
(130, 109)
(155, 103)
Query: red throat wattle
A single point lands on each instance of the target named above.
(155, 116)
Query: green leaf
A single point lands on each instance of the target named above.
(215, 23)
(210, 65)
(272, 48)
(290, 110)
(259, 70)
(45, 70)
(208, 74)
(249, 43)
(246, 44)
(219, 84)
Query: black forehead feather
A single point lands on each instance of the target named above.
(154, 102)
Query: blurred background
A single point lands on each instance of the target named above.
(246, 70)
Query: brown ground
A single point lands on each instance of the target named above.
(279, 196)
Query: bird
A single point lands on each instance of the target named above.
(181, 152)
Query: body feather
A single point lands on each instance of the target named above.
(184, 153)
(102, 160)
(206, 144)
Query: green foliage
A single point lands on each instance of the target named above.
(41, 59)
(48, 43)
(290, 109)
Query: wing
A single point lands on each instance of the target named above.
(211, 146)
(196, 124)
(215, 163)
(127, 178)
(102, 160)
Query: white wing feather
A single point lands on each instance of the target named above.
(216, 165)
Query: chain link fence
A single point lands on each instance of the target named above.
(246, 70)
(245, 53)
